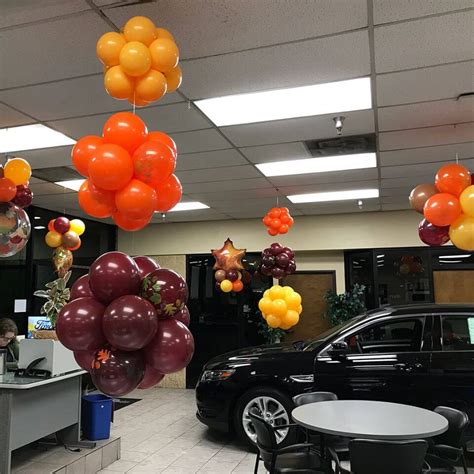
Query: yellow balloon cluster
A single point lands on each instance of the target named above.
(281, 307)
(141, 64)
(461, 231)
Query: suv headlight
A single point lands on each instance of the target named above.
(216, 375)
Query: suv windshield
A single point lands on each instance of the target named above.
(324, 336)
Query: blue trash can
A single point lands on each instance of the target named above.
(96, 416)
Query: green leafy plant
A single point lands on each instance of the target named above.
(270, 335)
(345, 305)
(57, 295)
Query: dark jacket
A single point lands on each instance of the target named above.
(13, 351)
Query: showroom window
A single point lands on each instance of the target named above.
(458, 333)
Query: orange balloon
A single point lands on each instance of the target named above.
(83, 151)
(128, 224)
(276, 223)
(111, 167)
(153, 162)
(151, 86)
(173, 79)
(274, 212)
(7, 190)
(162, 33)
(162, 138)
(283, 229)
(140, 28)
(169, 193)
(164, 54)
(51, 225)
(18, 170)
(53, 239)
(137, 101)
(267, 220)
(271, 231)
(135, 58)
(237, 286)
(125, 129)
(452, 179)
(118, 84)
(77, 246)
(442, 209)
(95, 201)
(108, 48)
(136, 200)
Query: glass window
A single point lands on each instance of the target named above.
(391, 336)
(361, 272)
(458, 333)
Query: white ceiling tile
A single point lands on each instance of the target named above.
(42, 189)
(424, 137)
(67, 201)
(401, 199)
(225, 186)
(409, 182)
(386, 11)
(261, 205)
(52, 50)
(323, 187)
(12, 118)
(426, 114)
(401, 192)
(78, 127)
(395, 206)
(288, 65)
(209, 159)
(432, 83)
(280, 152)
(184, 216)
(407, 171)
(307, 128)
(219, 174)
(48, 157)
(237, 194)
(202, 140)
(341, 207)
(426, 42)
(216, 27)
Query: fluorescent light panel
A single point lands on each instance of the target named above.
(455, 256)
(319, 165)
(189, 206)
(31, 137)
(318, 99)
(74, 184)
(334, 196)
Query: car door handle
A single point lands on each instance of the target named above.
(403, 367)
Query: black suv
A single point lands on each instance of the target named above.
(419, 355)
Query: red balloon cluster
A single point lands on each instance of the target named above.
(278, 220)
(129, 172)
(448, 208)
(124, 332)
(409, 265)
(14, 183)
(278, 261)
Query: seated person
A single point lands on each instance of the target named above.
(8, 341)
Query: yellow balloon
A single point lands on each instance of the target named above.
(293, 300)
(265, 305)
(279, 308)
(140, 28)
(118, 84)
(226, 286)
(287, 290)
(17, 170)
(300, 309)
(151, 86)
(467, 201)
(290, 318)
(461, 232)
(174, 79)
(135, 59)
(77, 226)
(266, 294)
(108, 48)
(162, 33)
(138, 101)
(276, 292)
(53, 239)
(164, 54)
(273, 321)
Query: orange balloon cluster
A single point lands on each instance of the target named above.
(448, 208)
(141, 64)
(278, 220)
(129, 172)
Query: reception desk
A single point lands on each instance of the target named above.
(33, 408)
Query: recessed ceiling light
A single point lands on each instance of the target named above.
(319, 165)
(39, 227)
(31, 137)
(74, 184)
(334, 196)
(37, 218)
(318, 99)
(189, 206)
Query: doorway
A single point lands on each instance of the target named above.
(453, 286)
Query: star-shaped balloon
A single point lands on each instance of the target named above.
(228, 257)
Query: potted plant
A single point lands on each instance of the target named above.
(345, 305)
(57, 295)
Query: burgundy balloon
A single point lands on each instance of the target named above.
(145, 265)
(116, 372)
(183, 316)
(282, 260)
(79, 325)
(291, 268)
(433, 235)
(278, 273)
(171, 349)
(267, 253)
(129, 323)
(276, 249)
(84, 359)
(217, 285)
(62, 224)
(151, 378)
(112, 275)
(266, 270)
(166, 290)
(269, 261)
(289, 252)
(232, 275)
(23, 197)
(81, 288)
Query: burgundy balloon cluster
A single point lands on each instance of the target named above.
(127, 332)
(278, 261)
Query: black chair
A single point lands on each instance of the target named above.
(312, 397)
(448, 448)
(367, 456)
(297, 458)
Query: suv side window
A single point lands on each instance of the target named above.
(401, 335)
(458, 333)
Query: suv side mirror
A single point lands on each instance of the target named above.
(339, 349)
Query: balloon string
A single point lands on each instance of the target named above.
(64, 201)
(133, 244)
(457, 159)
(134, 106)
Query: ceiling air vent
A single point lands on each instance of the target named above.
(342, 145)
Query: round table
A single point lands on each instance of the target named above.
(369, 419)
